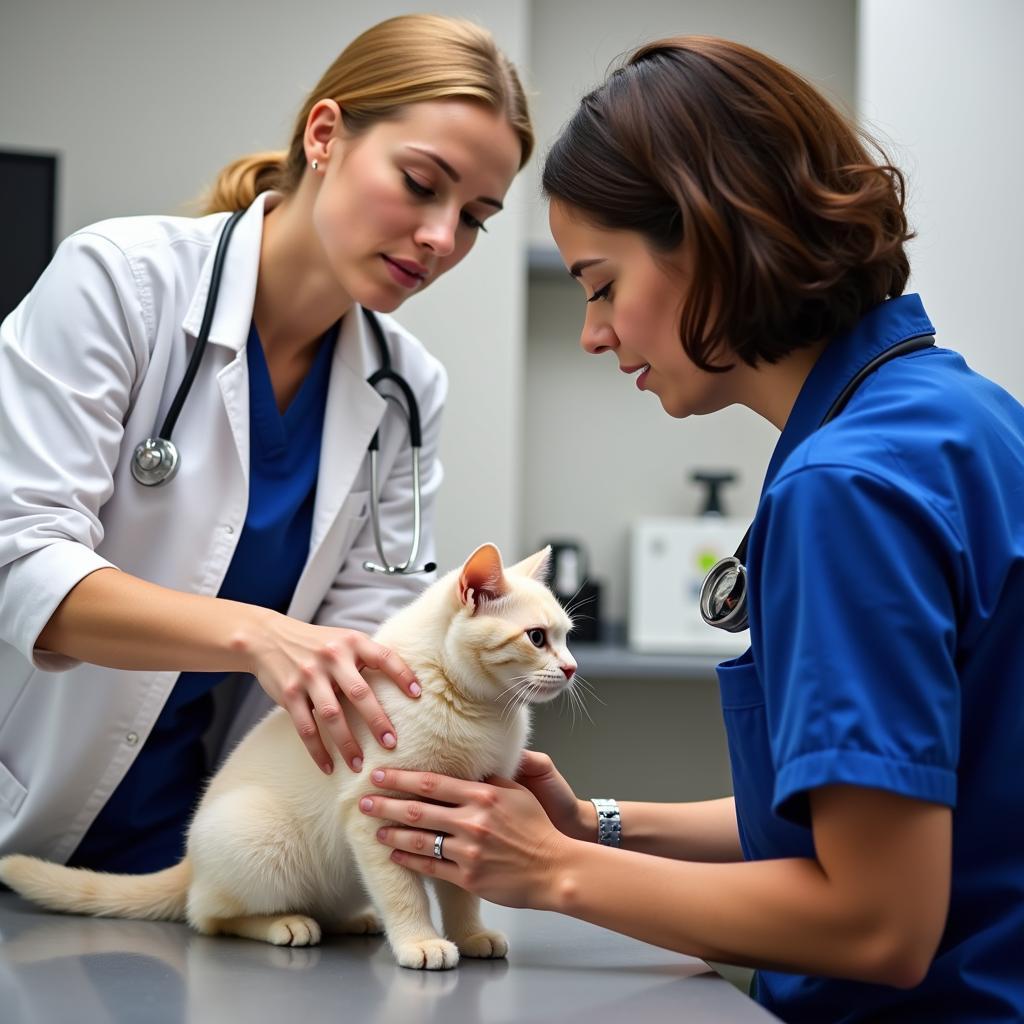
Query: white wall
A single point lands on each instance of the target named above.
(597, 453)
(944, 80)
(145, 101)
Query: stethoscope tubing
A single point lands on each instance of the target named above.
(155, 461)
(171, 419)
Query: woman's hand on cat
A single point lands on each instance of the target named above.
(306, 669)
(576, 818)
(499, 842)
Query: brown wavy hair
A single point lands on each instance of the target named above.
(398, 62)
(793, 229)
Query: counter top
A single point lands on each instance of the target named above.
(56, 968)
(613, 660)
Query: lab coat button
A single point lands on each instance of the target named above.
(229, 530)
(132, 738)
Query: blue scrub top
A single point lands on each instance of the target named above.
(142, 826)
(886, 588)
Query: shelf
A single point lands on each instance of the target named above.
(612, 659)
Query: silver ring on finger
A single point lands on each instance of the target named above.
(438, 846)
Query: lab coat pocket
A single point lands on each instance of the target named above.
(12, 792)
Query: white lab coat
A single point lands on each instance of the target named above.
(89, 362)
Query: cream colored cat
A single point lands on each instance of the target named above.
(277, 850)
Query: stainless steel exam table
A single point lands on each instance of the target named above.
(57, 969)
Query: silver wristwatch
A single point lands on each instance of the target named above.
(609, 823)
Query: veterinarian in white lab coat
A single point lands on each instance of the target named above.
(122, 605)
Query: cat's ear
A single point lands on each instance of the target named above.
(537, 565)
(482, 577)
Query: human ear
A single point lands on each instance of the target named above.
(323, 130)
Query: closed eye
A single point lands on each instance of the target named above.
(415, 187)
(422, 192)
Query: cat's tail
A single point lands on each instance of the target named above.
(157, 897)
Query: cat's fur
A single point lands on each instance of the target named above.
(277, 850)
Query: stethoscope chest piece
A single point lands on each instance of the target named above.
(154, 461)
(723, 596)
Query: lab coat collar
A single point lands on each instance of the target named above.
(233, 315)
(885, 325)
(357, 347)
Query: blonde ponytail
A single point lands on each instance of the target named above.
(409, 59)
(239, 183)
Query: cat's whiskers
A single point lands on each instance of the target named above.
(517, 681)
(521, 687)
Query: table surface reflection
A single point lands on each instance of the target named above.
(56, 968)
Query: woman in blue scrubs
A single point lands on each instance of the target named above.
(738, 242)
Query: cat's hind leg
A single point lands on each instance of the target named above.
(251, 870)
(277, 929)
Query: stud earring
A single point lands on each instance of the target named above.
(314, 165)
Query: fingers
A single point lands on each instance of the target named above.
(419, 815)
(534, 764)
(433, 786)
(364, 700)
(431, 866)
(373, 655)
(419, 842)
(296, 703)
(328, 709)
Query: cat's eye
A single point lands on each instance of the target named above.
(537, 637)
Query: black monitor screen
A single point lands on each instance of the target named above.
(28, 182)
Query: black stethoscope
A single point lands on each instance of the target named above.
(723, 594)
(156, 460)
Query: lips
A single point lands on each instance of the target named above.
(409, 266)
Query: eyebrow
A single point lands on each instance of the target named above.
(454, 175)
(580, 265)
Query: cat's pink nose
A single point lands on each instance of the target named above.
(569, 671)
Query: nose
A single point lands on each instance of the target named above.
(569, 671)
(596, 336)
(438, 234)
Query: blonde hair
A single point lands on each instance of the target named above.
(409, 59)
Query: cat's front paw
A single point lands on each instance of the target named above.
(485, 944)
(428, 955)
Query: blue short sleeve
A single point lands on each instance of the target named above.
(854, 585)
